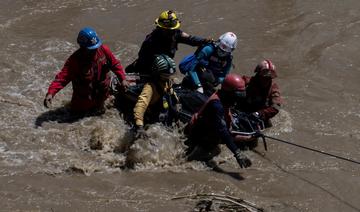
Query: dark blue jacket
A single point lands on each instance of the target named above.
(157, 43)
(211, 126)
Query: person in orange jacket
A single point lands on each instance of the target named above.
(87, 68)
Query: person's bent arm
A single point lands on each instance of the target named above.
(226, 136)
(61, 79)
(192, 40)
(220, 125)
(115, 66)
(275, 102)
(202, 55)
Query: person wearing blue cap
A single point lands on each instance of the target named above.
(88, 70)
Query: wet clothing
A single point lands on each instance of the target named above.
(157, 43)
(208, 59)
(151, 95)
(89, 77)
(265, 100)
(210, 126)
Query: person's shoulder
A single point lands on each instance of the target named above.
(209, 47)
(215, 104)
(105, 47)
(206, 49)
(76, 55)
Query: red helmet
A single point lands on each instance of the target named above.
(233, 82)
(266, 68)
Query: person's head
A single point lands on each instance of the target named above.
(265, 71)
(88, 39)
(168, 21)
(226, 44)
(232, 89)
(163, 67)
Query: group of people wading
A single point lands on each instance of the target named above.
(207, 72)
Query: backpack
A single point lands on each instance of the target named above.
(187, 62)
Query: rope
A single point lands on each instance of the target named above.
(314, 150)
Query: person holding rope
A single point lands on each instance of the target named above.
(211, 125)
(263, 99)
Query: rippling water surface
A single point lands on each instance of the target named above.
(51, 163)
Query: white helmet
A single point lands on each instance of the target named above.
(227, 42)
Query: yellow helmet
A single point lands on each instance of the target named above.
(168, 20)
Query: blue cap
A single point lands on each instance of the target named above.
(88, 38)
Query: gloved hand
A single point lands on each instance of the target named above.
(257, 134)
(241, 158)
(209, 40)
(140, 132)
(48, 100)
(125, 84)
(200, 89)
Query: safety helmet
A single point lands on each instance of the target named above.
(163, 66)
(266, 68)
(234, 83)
(88, 38)
(227, 42)
(168, 20)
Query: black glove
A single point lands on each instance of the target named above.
(48, 100)
(140, 132)
(241, 158)
(257, 134)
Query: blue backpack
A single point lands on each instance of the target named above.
(187, 62)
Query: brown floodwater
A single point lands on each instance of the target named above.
(47, 163)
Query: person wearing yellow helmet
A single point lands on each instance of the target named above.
(168, 20)
(163, 39)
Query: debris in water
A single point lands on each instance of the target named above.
(218, 202)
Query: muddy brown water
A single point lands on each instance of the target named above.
(46, 163)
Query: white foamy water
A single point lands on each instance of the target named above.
(50, 163)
